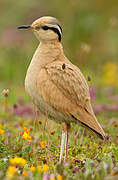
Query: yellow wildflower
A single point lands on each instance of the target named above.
(81, 158)
(40, 168)
(26, 136)
(43, 144)
(1, 131)
(32, 168)
(59, 177)
(110, 70)
(24, 173)
(43, 168)
(11, 171)
(1, 126)
(26, 130)
(17, 161)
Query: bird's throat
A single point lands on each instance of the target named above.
(47, 52)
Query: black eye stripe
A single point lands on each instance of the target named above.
(45, 28)
(54, 30)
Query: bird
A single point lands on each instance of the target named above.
(56, 85)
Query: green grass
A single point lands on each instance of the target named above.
(88, 157)
(90, 31)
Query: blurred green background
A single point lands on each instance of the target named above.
(90, 37)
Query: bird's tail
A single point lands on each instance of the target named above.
(89, 120)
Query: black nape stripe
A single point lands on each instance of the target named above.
(60, 27)
(98, 134)
(54, 30)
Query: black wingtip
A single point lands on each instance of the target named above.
(85, 125)
(99, 135)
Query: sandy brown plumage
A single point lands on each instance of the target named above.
(72, 84)
(54, 83)
(63, 89)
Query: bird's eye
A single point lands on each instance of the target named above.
(45, 28)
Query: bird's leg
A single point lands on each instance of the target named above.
(46, 120)
(64, 136)
(66, 141)
(62, 145)
(82, 135)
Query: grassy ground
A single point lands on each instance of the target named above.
(30, 142)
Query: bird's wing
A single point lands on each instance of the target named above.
(63, 86)
(70, 81)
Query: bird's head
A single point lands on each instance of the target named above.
(45, 28)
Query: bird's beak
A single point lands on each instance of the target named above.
(25, 27)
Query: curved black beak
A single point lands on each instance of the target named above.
(24, 27)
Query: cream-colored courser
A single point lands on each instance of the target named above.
(55, 84)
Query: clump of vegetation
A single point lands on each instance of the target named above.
(30, 144)
(29, 141)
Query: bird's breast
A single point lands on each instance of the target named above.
(32, 77)
(30, 82)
